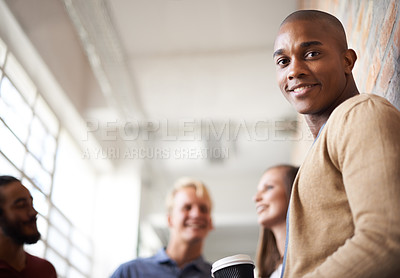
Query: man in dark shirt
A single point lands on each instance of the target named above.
(17, 227)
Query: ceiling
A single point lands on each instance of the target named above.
(179, 77)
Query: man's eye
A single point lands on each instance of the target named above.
(282, 61)
(21, 205)
(204, 209)
(312, 54)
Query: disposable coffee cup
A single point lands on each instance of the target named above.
(237, 266)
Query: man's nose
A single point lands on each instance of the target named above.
(33, 211)
(297, 69)
(195, 211)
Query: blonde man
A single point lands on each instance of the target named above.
(189, 221)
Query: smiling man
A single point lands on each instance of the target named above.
(18, 227)
(344, 215)
(189, 220)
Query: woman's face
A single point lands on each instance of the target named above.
(271, 198)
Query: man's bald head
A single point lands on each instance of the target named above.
(331, 23)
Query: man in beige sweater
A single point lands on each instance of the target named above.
(344, 216)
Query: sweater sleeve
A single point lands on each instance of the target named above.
(367, 148)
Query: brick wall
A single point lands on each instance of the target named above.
(373, 31)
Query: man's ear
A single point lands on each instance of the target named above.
(169, 220)
(350, 58)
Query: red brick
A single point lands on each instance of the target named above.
(349, 26)
(387, 26)
(360, 54)
(373, 71)
(396, 38)
(387, 72)
(329, 7)
(366, 23)
(336, 5)
(359, 69)
(359, 22)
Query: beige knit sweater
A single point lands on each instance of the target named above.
(344, 217)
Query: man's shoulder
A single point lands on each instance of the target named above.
(40, 266)
(137, 265)
(366, 103)
(364, 107)
(140, 260)
(37, 260)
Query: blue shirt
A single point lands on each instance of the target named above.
(162, 266)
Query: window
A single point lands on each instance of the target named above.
(35, 148)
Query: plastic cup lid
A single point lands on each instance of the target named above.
(232, 260)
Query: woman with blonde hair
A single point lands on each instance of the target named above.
(272, 201)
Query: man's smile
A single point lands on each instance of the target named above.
(301, 89)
